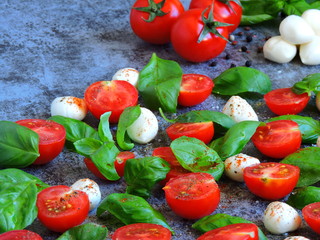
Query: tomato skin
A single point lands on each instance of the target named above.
(237, 231)
(226, 14)
(311, 214)
(52, 137)
(283, 101)
(185, 33)
(195, 88)
(157, 31)
(114, 96)
(147, 231)
(271, 180)
(60, 208)
(20, 235)
(192, 195)
(278, 139)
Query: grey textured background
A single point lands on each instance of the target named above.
(58, 48)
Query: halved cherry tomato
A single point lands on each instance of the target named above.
(20, 235)
(119, 164)
(61, 208)
(114, 96)
(271, 180)
(143, 231)
(237, 231)
(278, 139)
(195, 88)
(52, 137)
(283, 101)
(311, 214)
(203, 131)
(192, 195)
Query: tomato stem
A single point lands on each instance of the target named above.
(154, 10)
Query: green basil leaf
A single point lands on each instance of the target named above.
(159, 84)
(87, 146)
(301, 197)
(130, 209)
(196, 156)
(295, 7)
(18, 145)
(211, 222)
(127, 118)
(310, 83)
(308, 160)
(143, 173)
(255, 19)
(309, 127)
(86, 231)
(315, 4)
(235, 139)
(104, 128)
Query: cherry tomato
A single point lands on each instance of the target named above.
(228, 11)
(114, 96)
(283, 101)
(61, 208)
(188, 42)
(203, 131)
(278, 139)
(154, 25)
(192, 195)
(147, 231)
(20, 235)
(195, 88)
(52, 137)
(237, 231)
(311, 214)
(271, 180)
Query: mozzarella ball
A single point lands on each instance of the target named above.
(239, 109)
(312, 16)
(278, 50)
(296, 238)
(280, 217)
(68, 106)
(310, 52)
(130, 75)
(235, 165)
(294, 29)
(145, 128)
(91, 188)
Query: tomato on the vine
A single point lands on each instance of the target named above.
(151, 20)
(20, 235)
(311, 214)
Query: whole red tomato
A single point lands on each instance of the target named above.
(151, 20)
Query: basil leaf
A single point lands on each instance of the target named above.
(235, 139)
(196, 156)
(127, 118)
(142, 174)
(130, 209)
(159, 84)
(211, 222)
(254, 19)
(86, 231)
(18, 145)
(87, 146)
(104, 128)
(301, 197)
(294, 7)
(309, 127)
(308, 160)
(310, 83)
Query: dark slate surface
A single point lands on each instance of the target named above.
(58, 48)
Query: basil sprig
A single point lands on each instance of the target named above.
(309, 84)
(301, 197)
(86, 231)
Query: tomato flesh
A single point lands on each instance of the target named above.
(311, 214)
(283, 101)
(192, 195)
(20, 235)
(52, 137)
(278, 139)
(60, 208)
(271, 180)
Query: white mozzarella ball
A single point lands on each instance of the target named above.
(235, 165)
(312, 16)
(294, 29)
(239, 109)
(310, 52)
(296, 238)
(130, 75)
(278, 50)
(145, 128)
(68, 106)
(280, 217)
(91, 188)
